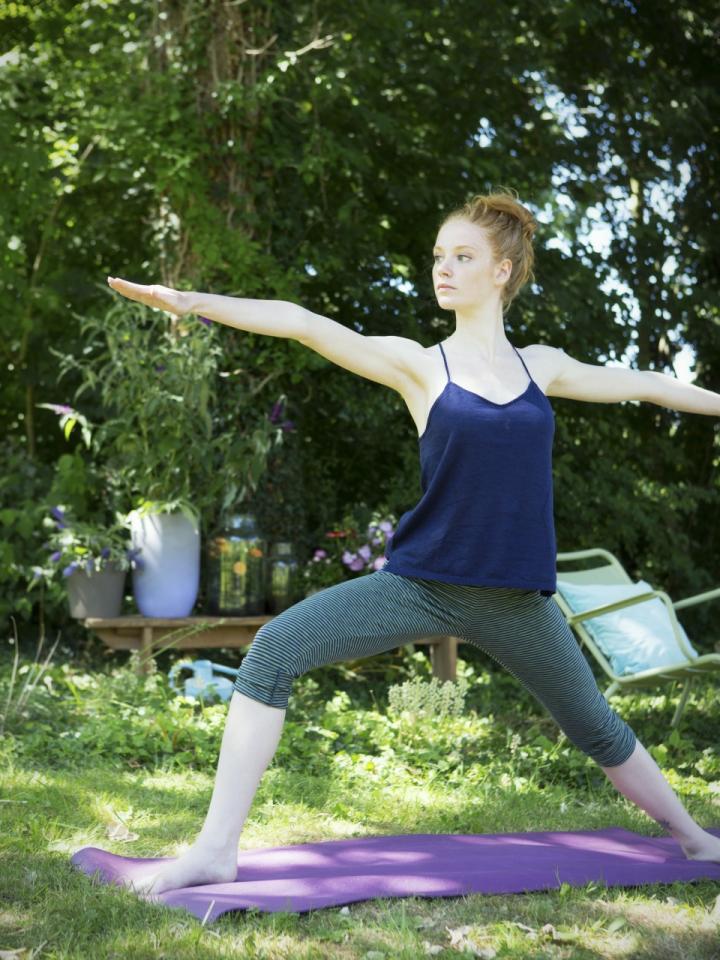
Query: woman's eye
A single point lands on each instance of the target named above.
(467, 256)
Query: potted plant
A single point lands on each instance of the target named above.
(91, 553)
(93, 559)
(165, 442)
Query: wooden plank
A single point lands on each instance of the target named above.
(150, 635)
(444, 658)
(137, 620)
(146, 650)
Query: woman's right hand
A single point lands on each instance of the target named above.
(155, 295)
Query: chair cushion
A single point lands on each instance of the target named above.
(633, 639)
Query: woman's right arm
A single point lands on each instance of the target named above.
(392, 361)
(395, 362)
(276, 318)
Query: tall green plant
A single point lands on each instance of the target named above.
(161, 439)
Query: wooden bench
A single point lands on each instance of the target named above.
(152, 635)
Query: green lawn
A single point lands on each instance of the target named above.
(99, 750)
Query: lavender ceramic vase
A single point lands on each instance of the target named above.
(167, 580)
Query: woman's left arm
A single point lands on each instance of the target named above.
(670, 392)
(574, 380)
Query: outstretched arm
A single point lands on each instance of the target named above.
(670, 392)
(389, 360)
(574, 380)
(274, 318)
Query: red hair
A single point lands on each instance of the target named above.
(509, 227)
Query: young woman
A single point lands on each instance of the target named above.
(475, 558)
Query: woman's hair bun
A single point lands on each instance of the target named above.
(529, 227)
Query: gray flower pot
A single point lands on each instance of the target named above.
(99, 594)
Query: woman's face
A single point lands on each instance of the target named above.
(462, 259)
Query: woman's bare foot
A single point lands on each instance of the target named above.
(195, 867)
(705, 847)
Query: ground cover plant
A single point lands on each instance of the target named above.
(97, 755)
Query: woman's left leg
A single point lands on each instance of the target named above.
(640, 779)
(529, 636)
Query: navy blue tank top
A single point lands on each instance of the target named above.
(486, 511)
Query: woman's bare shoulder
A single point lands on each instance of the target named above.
(545, 362)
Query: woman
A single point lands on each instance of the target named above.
(475, 558)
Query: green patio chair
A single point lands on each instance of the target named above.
(644, 646)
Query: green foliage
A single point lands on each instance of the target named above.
(158, 386)
(316, 168)
(119, 716)
(354, 547)
(76, 717)
(24, 486)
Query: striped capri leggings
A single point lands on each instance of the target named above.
(522, 630)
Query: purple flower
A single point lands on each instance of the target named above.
(276, 411)
(319, 554)
(205, 320)
(70, 569)
(105, 553)
(57, 513)
(386, 527)
(365, 552)
(132, 556)
(379, 563)
(353, 561)
(56, 556)
(288, 425)
(60, 408)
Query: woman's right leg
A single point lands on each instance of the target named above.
(358, 618)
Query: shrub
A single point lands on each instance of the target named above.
(417, 697)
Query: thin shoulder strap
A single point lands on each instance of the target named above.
(445, 361)
(523, 363)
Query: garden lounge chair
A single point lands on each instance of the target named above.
(630, 628)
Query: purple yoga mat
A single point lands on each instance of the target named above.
(332, 872)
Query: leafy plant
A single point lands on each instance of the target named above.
(422, 698)
(162, 440)
(349, 552)
(76, 545)
(33, 674)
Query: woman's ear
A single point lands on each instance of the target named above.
(504, 270)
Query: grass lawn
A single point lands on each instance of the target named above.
(100, 757)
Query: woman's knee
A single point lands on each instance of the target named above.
(607, 740)
(268, 668)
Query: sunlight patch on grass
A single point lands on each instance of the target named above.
(14, 918)
(633, 920)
